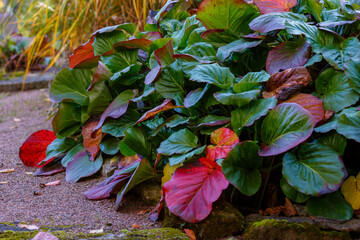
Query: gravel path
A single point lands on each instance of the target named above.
(21, 114)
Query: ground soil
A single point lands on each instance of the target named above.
(22, 113)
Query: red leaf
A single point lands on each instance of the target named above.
(83, 56)
(224, 140)
(166, 105)
(284, 84)
(288, 55)
(102, 73)
(190, 233)
(91, 141)
(164, 55)
(33, 150)
(311, 103)
(269, 6)
(193, 188)
(152, 36)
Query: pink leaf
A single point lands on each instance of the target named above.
(269, 6)
(193, 188)
(223, 140)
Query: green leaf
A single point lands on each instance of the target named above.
(59, 146)
(245, 116)
(316, 37)
(100, 98)
(239, 46)
(352, 71)
(177, 159)
(219, 37)
(126, 150)
(67, 119)
(137, 140)
(171, 81)
(213, 120)
(241, 167)
(127, 76)
(195, 96)
(110, 145)
(315, 170)
(117, 61)
(71, 85)
(213, 74)
(250, 81)
(337, 54)
(201, 50)
(179, 142)
(285, 127)
(333, 140)
(105, 41)
(70, 155)
(292, 193)
(223, 14)
(142, 173)
(176, 120)
(117, 127)
(332, 206)
(237, 99)
(349, 125)
(333, 88)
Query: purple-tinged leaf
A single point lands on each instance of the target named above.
(153, 75)
(334, 24)
(285, 127)
(152, 36)
(51, 168)
(213, 120)
(113, 184)
(102, 73)
(164, 55)
(195, 96)
(117, 108)
(288, 55)
(83, 56)
(240, 45)
(81, 166)
(142, 43)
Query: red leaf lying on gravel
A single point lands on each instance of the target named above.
(190, 233)
(224, 140)
(33, 150)
(193, 188)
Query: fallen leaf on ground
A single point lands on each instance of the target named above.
(29, 227)
(135, 225)
(142, 212)
(29, 173)
(96, 231)
(44, 236)
(54, 183)
(288, 210)
(190, 233)
(10, 170)
(17, 120)
(38, 193)
(4, 182)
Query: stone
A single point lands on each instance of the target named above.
(273, 229)
(155, 233)
(45, 236)
(149, 191)
(301, 210)
(109, 167)
(352, 225)
(223, 221)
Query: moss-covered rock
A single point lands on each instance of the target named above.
(272, 229)
(149, 192)
(223, 221)
(156, 233)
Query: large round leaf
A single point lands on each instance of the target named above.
(352, 71)
(330, 206)
(286, 126)
(178, 143)
(334, 90)
(224, 14)
(241, 167)
(193, 188)
(349, 125)
(315, 170)
(292, 193)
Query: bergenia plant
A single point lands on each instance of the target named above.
(213, 101)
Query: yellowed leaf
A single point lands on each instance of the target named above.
(168, 172)
(351, 191)
(10, 170)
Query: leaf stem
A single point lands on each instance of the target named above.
(266, 182)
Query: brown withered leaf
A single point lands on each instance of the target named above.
(126, 161)
(91, 141)
(288, 210)
(190, 233)
(10, 170)
(284, 84)
(135, 225)
(311, 103)
(166, 105)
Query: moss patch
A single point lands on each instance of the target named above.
(62, 235)
(272, 229)
(156, 233)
